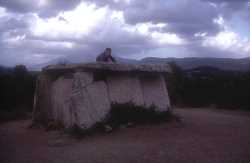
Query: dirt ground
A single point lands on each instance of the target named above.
(203, 136)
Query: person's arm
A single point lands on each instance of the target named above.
(100, 58)
(113, 59)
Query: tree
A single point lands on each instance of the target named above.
(20, 70)
(175, 83)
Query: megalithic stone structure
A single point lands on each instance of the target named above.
(83, 94)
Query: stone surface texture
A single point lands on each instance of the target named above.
(155, 92)
(71, 94)
(161, 68)
(60, 97)
(90, 104)
(125, 89)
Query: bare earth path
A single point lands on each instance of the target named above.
(204, 136)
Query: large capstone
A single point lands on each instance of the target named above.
(82, 95)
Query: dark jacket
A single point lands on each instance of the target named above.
(103, 58)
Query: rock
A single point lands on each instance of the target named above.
(127, 125)
(81, 79)
(108, 128)
(72, 95)
(155, 93)
(98, 93)
(130, 124)
(115, 67)
(60, 95)
(90, 104)
(125, 89)
(42, 112)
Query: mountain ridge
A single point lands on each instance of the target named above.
(241, 64)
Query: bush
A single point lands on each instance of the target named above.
(17, 86)
(127, 113)
(206, 86)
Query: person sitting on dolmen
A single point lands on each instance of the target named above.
(106, 56)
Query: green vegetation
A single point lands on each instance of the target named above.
(208, 86)
(129, 113)
(17, 86)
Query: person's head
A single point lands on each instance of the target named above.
(108, 51)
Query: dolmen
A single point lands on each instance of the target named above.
(83, 95)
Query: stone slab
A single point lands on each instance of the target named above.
(60, 95)
(42, 111)
(82, 79)
(125, 89)
(113, 67)
(155, 93)
(90, 104)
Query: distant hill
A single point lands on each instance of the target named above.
(190, 63)
(128, 61)
(5, 70)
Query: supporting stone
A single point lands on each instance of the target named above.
(90, 105)
(125, 89)
(60, 95)
(155, 93)
(42, 112)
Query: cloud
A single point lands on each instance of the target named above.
(44, 8)
(74, 24)
(79, 34)
(184, 17)
(230, 42)
(33, 32)
(229, 8)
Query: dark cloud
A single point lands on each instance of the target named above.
(235, 3)
(229, 7)
(185, 17)
(12, 23)
(44, 8)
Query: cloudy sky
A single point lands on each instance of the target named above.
(40, 31)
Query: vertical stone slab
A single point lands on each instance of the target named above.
(98, 93)
(155, 92)
(81, 79)
(125, 89)
(90, 104)
(80, 106)
(60, 95)
(42, 112)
